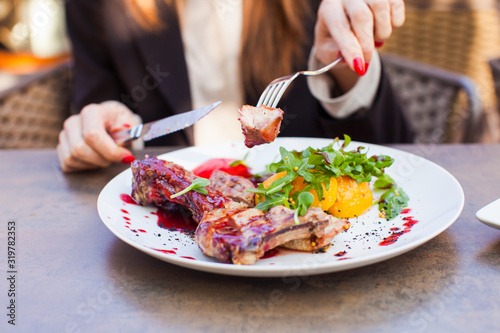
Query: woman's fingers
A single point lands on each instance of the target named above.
(362, 20)
(79, 149)
(68, 160)
(96, 120)
(334, 30)
(85, 143)
(381, 10)
(120, 116)
(355, 27)
(388, 14)
(398, 15)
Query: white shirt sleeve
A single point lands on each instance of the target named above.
(361, 96)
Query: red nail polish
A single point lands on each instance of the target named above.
(128, 159)
(359, 67)
(366, 66)
(379, 44)
(126, 125)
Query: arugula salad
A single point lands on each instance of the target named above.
(302, 178)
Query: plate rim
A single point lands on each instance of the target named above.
(483, 216)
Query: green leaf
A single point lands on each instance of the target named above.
(392, 202)
(307, 175)
(305, 201)
(384, 181)
(201, 190)
(382, 161)
(259, 190)
(198, 185)
(347, 141)
(271, 201)
(238, 162)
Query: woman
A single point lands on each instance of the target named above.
(152, 59)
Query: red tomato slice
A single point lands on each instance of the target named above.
(205, 169)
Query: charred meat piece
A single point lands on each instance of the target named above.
(155, 181)
(243, 236)
(260, 124)
(233, 187)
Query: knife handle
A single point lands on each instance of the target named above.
(125, 136)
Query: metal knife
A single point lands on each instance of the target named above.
(155, 129)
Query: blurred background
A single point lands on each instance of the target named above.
(459, 36)
(32, 37)
(462, 36)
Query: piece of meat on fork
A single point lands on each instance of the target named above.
(230, 231)
(260, 124)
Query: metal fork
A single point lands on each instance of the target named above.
(274, 90)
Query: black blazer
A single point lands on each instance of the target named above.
(116, 60)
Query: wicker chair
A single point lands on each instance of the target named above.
(495, 72)
(33, 111)
(443, 106)
(459, 36)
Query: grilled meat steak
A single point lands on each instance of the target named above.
(260, 124)
(243, 236)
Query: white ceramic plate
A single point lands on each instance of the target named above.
(490, 214)
(436, 200)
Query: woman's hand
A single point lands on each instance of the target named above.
(354, 28)
(85, 143)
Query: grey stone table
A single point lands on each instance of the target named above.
(74, 275)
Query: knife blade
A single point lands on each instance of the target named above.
(155, 129)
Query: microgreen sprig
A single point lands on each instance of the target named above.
(305, 201)
(392, 202)
(198, 185)
(238, 162)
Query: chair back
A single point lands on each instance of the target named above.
(33, 111)
(442, 106)
(495, 72)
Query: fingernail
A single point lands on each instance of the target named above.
(117, 129)
(359, 67)
(128, 159)
(379, 44)
(366, 66)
